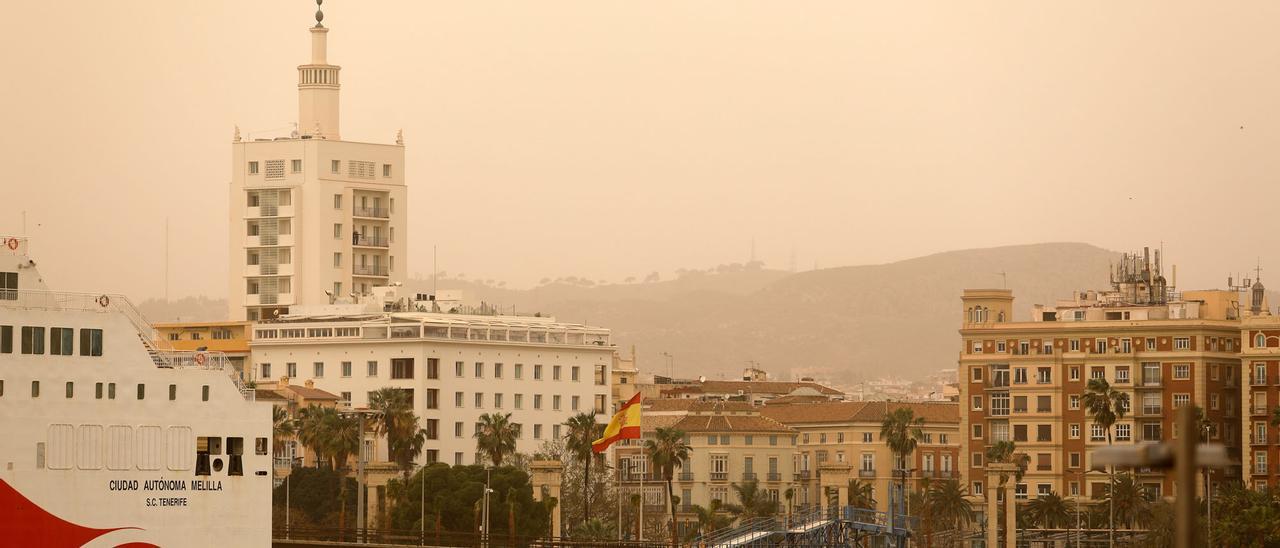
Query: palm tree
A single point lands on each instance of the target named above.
(948, 505)
(710, 519)
(496, 437)
(901, 430)
(1049, 512)
(310, 432)
(583, 431)
(862, 494)
(397, 421)
(667, 451)
(334, 437)
(1129, 501)
(790, 495)
(1105, 405)
(753, 502)
(592, 529)
(283, 428)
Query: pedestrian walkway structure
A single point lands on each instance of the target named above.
(828, 526)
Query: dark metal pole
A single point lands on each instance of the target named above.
(1185, 475)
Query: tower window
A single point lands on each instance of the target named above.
(295, 166)
(386, 170)
(253, 168)
(334, 167)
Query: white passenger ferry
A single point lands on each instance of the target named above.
(107, 439)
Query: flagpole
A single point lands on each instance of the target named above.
(618, 479)
(643, 468)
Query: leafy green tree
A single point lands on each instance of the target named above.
(753, 502)
(667, 451)
(315, 494)
(901, 430)
(496, 437)
(454, 492)
(1248, 517)
(333, 436)
(583, 431)
(1049, 512)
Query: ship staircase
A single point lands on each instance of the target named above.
(821, 526)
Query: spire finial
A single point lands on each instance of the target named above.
(236, 138)
(319, 13)
(317, 131)
(400, 137)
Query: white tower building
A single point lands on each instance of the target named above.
(314, 219)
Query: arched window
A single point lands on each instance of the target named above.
(968, 315)
(1259, 341)
(1000, 317)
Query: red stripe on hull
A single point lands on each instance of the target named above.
(25, 524)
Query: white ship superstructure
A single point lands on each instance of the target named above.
(110, 440)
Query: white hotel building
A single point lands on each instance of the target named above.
(456, 367)
(312, 217)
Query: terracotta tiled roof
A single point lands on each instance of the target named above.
(696, 406)
(730, 423)
(873, 411)
(752, 387)
(798, 399)
(311, 393)
(263, 394)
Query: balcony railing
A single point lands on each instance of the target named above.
(369, 270)
(686, 476)
(1258, 380)
(373, 212)
(719, 476)
(1150, 381)
(774, 476)
(369, 241)
(748, 476)
(1151, 410)
(866, 473)
(803, 475)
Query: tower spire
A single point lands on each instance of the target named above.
(318, 85)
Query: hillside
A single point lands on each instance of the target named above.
(843, 324)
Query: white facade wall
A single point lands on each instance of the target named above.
(311, 215)
(450, 447)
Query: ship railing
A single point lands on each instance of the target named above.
(211, 360)
(86, 302)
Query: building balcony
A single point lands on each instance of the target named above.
(1149, 382)
(1149, 411)
(371, 213)
(749, 476)
(279, 299)
(360, 240)
(255, 270)
(376, 271)
(686, 476)
(1255, 380)
(803, 475)
(866, 473)
(268, 212)
(774, 476)
(1259, 411)
(719, 476)
(282, 240)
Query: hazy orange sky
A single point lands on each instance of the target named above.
(610, 139)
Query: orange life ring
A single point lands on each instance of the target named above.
(103, 301)
(200, 358)
(12, 244)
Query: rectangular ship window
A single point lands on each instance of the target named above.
(111, 391)
(204, 393)
(32, 340)
(235, 451)
(173, 392)
(260, 446)
(90, 342)
(60, 341)
(71, 389)
(6, 339)
(35, 389)
(142, 391)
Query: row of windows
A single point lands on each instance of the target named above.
(108, 391)
(61, 340)
(517, 372)
(217, 334)
(517, 401)
(1097, 346)
(867, 437)
(401, 368)
(275, 168)
(1150, 374)
(124, 447)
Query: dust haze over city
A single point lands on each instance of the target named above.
(613, 144)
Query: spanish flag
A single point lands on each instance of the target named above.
(625, 425)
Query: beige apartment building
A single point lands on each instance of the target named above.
(1022, 381)
(848, 433)
(314, 219)
(1260, 332)
(731, 443)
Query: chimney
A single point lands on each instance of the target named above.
(310, 383)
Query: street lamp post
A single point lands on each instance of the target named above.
(484, 536)
(422, 507)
